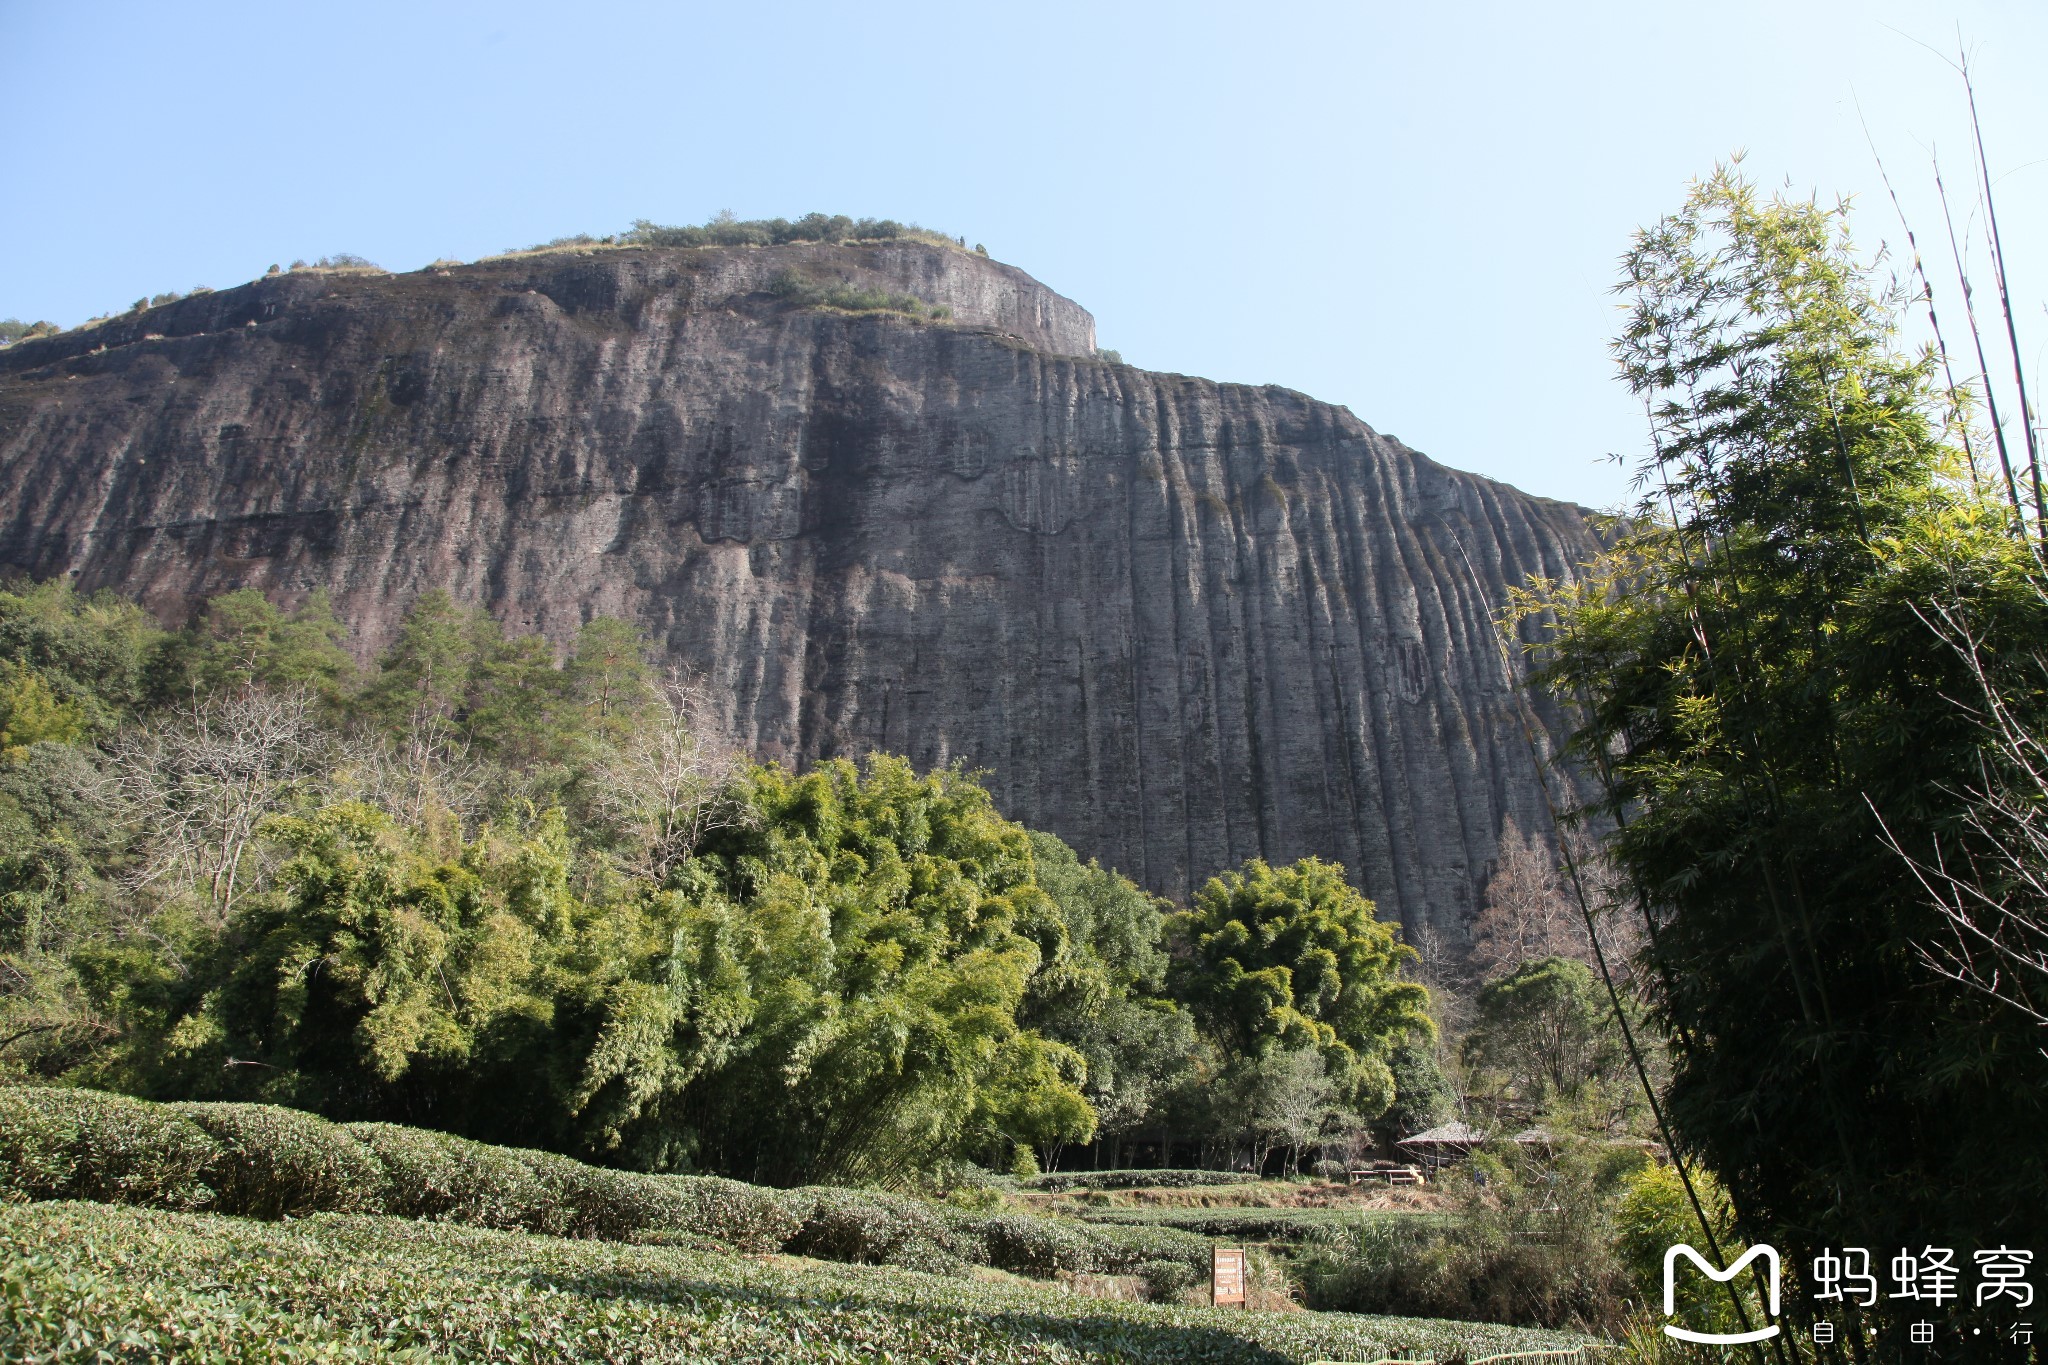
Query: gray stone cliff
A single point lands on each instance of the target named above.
(1177, 622)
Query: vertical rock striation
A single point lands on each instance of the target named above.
(1180, 623)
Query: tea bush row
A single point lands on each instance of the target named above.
(82, 1281)
(266, 1162)
(1249, 1224)
(1164, 1179)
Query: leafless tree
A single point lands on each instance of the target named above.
(1440, 967)
(1292, 1104)
(198, 785)
(670, 783)
(1993, 896)
(1529, 909)
(424, 778)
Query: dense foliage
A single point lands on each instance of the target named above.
(1290, 969)
(726, 230)
(1767, 693)
(1533, 1241)
(1544, 1038)
(14, 329)
(528, 898)
(262, 1161)
(82, 1279)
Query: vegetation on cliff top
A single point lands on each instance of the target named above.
(723, 229)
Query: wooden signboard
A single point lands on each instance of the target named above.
(1226, 1276)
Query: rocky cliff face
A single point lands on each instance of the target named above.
(1179, 623)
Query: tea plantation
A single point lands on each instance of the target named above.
(133, 1231)
(87, 1281)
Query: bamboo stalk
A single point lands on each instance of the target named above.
(2012, 336)
(1983, 363)
(1927, 296)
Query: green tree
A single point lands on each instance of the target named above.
(518, 709)
(1294, 958)
(378, 908)
(241, 639)
(1544, 1032)
(57, 835)
(1763, 691)
(902, 928)
(14, 329)
(608, 676)
(94, 655)
(367, 984)
(1100, 986)
(423, 681)
(30, 713)
(1653, 1215)
(1423, 1095)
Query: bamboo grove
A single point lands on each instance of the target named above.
(1809, 675)
(478, 887)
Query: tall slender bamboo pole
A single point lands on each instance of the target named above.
(2012, 337)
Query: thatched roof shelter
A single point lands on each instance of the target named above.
(1444, 1144)
(1446, 1135)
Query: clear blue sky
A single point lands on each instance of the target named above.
(1410, 209)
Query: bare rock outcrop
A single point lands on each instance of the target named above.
(1177, 622)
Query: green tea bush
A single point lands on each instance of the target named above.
(270, 1163)
(1124, 1250)
(454, 1180)
(52, 1311)
(1168, 1281)
(1135, 1180)
(37, 1150)
(1034, 1246)
(874, 1229)
(745, 1217)
(282, 1163)
(87, 1282)
(85, 1144)
(1241, 1224)
(590, 1201)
